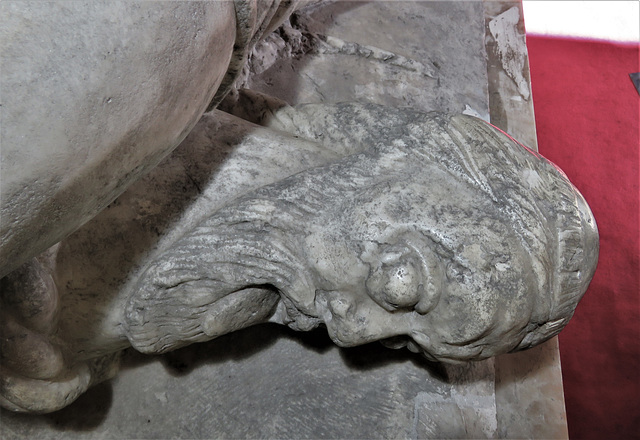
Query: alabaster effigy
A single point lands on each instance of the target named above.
(434, 231)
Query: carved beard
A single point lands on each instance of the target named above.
(233, 271)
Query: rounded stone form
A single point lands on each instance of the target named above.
(93, 95)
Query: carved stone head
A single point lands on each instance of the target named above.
(451, 239)
(455, 241)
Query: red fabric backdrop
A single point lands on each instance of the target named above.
(587, 115)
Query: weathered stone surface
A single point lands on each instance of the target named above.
(262, 382)
(529, 394)
(535, 373)
(510, 98)
(370, 245)
(368, 392)
(94, 94)
(85, 311)
(402, 54)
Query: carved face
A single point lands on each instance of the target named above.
(446, 277)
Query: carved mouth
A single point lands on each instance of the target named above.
(398, 342)
(334, 311)
(395, 342)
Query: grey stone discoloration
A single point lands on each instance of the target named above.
(535, 373)
(388, 204)
(509, 109)
(242, 386)
(212, 242)
(94, 94)
(92, 267)
(254, 19)
(324, 54)
(527, 387)
(466, 409)
(369, 245)
(511, 49)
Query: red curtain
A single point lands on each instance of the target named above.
(587, 115)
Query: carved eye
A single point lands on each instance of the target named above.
(403, 280)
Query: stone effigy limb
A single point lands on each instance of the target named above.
(96, 94)
(70, 301)
(430, 231)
